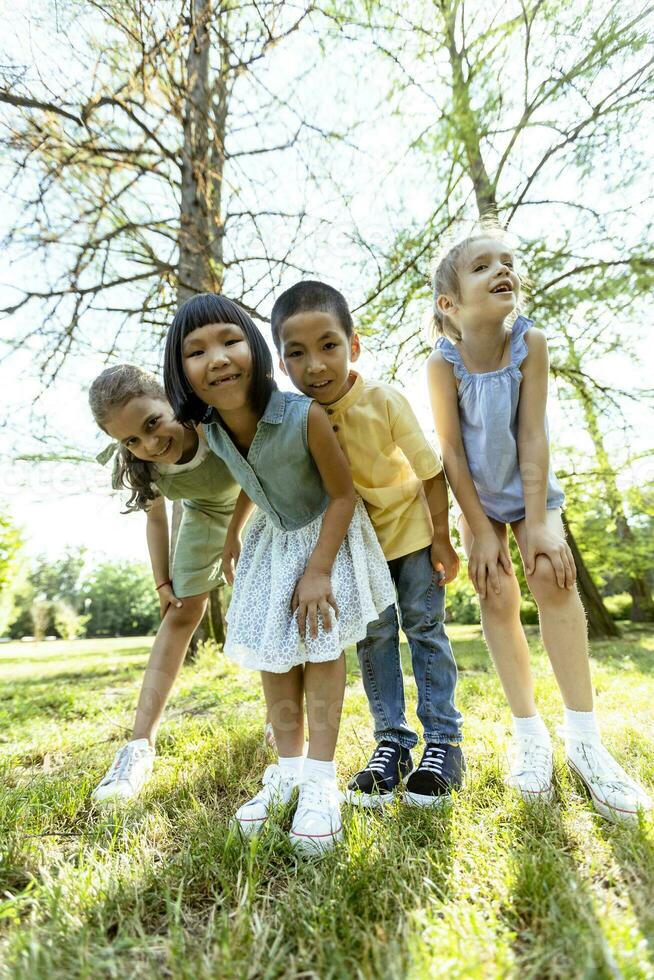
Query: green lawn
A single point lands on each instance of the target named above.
(486, 888)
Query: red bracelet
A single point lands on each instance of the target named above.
(167, 582)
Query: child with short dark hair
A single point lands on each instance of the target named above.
(400, 478)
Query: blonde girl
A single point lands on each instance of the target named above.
(488, 378)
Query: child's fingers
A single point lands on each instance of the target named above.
(325, 613)
(302, 619)
(228, 569)
(170, 597)
(559, 570)
(572, 567)
(439, 568)
(505, 561)
(494, 578)
(312, 616)
(331, 599)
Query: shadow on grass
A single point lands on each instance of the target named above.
(633, 849)
(634, 649)
(550, 909)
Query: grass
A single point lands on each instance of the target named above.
(486, 888)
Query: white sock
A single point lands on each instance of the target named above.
(533, 725)
(581, 725)
(291, 763)
(322, 772)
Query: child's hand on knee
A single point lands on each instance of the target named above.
(167, 598)
(487, 555)
(542, 541)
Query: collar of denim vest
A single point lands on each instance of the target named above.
(349, 398)
(274, 412)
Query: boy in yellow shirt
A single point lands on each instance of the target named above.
(400, 478)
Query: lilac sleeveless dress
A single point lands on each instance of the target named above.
(488, 411)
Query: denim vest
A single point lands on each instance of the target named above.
(278, 474)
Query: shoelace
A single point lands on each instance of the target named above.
(380, 759)
(532, 755)
(315, 796)
(273, 784)
(122, 764)
(596, 755)
(433, 759)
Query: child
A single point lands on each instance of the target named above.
(488, 385)
(400, 479)
(157, 457)
(311, 575)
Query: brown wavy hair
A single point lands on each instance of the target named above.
(112, 389)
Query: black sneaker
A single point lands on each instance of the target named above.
(376, 784)
(440, 771)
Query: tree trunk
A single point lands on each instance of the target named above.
(465, 119)
(600, 623)
(198, 269)
(642, 606)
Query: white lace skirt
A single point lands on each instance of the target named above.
(262, 632)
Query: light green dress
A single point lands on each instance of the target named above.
(208, 493)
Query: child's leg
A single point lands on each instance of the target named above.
(132, 764)
(324, 688)
(500, 618)
(562, 623)
(167, 656)
(317, 822)
(285, 700)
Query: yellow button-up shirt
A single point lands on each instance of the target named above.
(390, 457)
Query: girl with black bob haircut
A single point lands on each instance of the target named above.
(197, 312)
(308, 573)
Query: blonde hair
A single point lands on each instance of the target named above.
(112, 389)
(445, 274)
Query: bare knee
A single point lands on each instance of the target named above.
(506, 602)
(189, 614)
(543, 585)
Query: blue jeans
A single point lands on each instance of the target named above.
(421, 603)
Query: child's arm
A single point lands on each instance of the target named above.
(534, 460)
(443, 556)
(232, 548)
(156, 532)
(487, 551)
(313, 592)
(423, 460)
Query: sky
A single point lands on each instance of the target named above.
(69, 504)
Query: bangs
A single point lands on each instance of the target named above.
(199, 311)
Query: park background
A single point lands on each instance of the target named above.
(152, 150)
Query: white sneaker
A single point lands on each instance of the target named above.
(128, 773)
(531, 767)
(614, 794)
(278, 786)
(317, 824)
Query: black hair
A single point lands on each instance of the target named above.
(199, 311)
(305, 297)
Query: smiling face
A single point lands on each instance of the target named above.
(316, 353)
(218, 365)
(146, 426)
(489, 287)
